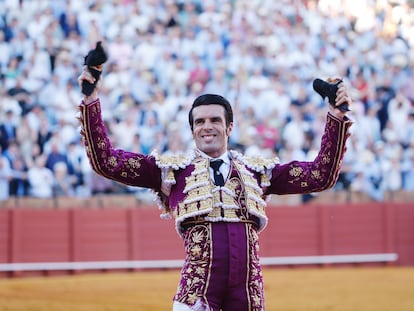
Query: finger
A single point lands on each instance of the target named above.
(86, 75)
(340, 101)
(333, 79)
(342, 90)
(341, 93)
(344, 99)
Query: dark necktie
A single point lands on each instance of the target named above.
(218, 177)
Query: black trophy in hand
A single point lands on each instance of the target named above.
(94, 61)
(326, 89)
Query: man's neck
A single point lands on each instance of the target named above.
(224, 156)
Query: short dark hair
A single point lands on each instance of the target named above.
(211, 99)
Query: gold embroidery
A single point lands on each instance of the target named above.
(186, 208)
(170, 176)
(196, 207)
(259, 163)
(225, 204)
(227, 198)
(264, 180)
(196, 269)
(192, 298)
(134, 163)
(173, 160)
(254, 285)
(221, 204)
(197, 237)
(197, 194)
(216, 213)
(199, 178)
(198, 189)
(196, 250)
(230, 214)
(326, 159)
(101, 144)
(316, 174)
(254, 201)
(295, 171)
(112, 161)
(206, 204)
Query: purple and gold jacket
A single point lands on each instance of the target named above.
(183, 185)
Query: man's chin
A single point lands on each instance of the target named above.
(210, 151)
(208, 140)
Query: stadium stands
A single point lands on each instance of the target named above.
(262, 55)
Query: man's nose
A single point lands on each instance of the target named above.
(208, 125)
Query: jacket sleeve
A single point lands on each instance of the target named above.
(305, 177)
(129, 168)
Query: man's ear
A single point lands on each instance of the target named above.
(229, 129)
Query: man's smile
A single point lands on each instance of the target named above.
(208, 136)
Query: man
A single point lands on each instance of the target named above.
(218, 211)
(6, 175)
(7, 130)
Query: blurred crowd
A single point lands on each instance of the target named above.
(260, 54)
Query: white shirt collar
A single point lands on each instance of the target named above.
(225, 156)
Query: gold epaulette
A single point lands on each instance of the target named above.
(256, 163)
(173, 160)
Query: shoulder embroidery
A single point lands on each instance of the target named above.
(173, 160)
(258, 163)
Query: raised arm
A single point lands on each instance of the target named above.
(122, 166)
(298, 177)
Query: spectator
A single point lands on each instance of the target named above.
(12, 72)
(268, 135)
(69, 23)
(399, 109)
(63, 184)
(100, 185)
(368, 178)
(125, 129)
(5, 50)
(75, 156)
(407, 168)
(12, 153)
(218, 83)
(56, 155)
(409, 130)
(5, 177)
(22, 95)
(120, 51)
(44, 133)
(199, 73)
(40, 179)
(19, 185)
(7, 130)
(148, 129)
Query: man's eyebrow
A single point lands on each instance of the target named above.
(216, 118)
(210, 117)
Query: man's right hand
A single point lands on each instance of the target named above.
(87, 76)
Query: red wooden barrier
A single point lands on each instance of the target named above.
(334, 230)
(404, 233)
(30, 235)
(4, 236)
